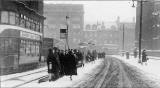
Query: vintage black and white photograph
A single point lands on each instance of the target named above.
(80, 43)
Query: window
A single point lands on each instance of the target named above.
(2, 46)
(37, 27)
(28, 48)
(12, 18)
(34, 26)
(22, 21)
(22, 47)
(40, 27)
(37, 48)
(17, 21)
(4, 17)
(31, 24)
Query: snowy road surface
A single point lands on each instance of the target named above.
(110, 72)
(116, 74)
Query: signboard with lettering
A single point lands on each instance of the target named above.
(63, 33)
(29, 35)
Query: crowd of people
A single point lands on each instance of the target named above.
(65, 62)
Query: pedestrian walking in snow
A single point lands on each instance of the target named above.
(127, 55)
(144, 57)
(70, 63)
(135, 53)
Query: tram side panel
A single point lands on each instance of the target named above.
(17, 53)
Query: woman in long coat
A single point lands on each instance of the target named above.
(71, 68)
(52, 65)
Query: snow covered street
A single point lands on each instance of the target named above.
(150, 70)
(117, 74)
(111, 72)
(64, 81)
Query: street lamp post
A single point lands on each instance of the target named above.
(123, 41)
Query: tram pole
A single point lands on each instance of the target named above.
(123, 41)
(67, 17)
(140, 31)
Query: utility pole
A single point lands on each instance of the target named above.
(67, 17)
(140, 31)
(123, 41)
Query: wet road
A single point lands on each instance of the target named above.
(113, 73)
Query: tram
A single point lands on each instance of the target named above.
(18, 47)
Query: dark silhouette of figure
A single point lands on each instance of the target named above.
(52, 65)
(144, 57)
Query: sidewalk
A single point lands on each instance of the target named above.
(61, 82)
(152, 70)
(65, 80)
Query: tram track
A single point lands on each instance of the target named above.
(117, 74)
(23, 75)
(93, 80)
(19, 85)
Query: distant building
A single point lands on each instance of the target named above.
(150, 26)
(101, 26)
(56, 19)
(104, 34)
(129, 35)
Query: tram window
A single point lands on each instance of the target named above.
(37, 49)
(12, 18)
(17, 19)
(27, 24)
(22, 47)
(37, 27)
(40, 27)
(22, 21)
(34, 26)
(2, 45)
(4, 17)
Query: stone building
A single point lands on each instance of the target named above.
(56, 20)
(150, 25)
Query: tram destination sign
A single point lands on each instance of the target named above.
(29, 35)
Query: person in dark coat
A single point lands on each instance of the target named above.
(144, 57)
(62, 61)
(52, 64)
(71, 68)
(65, 64)
(135, 53)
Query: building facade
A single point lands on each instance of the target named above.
(127, 29)
(21, 32)
(150, 25)
(104, 35)
(57, 20)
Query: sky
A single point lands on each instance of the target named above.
(106, 11)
